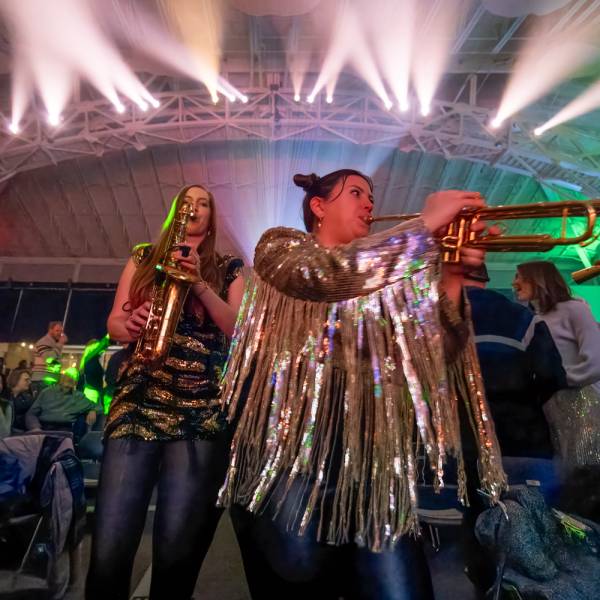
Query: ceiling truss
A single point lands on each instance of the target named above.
(456, 130)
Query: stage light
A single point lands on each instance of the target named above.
(296, 97)
(329, 99)
(155, 103)
(14, 128)
(436, 28)
(53, 119)
(544, 61)
(310, 99)
(538, 131)
(120, 108)
(404, 106)
(496, 123)
(388, 103)
(244, 98)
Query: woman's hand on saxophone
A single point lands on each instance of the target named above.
(137, 320)
(188, 260)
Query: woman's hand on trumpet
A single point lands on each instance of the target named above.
(442, 207)
(469, 257)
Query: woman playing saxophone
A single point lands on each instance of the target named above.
(164, 427)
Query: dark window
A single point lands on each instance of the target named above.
(87, 315)
(8, 303)
(38, 307)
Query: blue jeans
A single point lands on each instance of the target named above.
(188, 475)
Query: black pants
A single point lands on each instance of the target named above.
(188, 475)
(280, 564)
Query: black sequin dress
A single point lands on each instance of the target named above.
(178, 401)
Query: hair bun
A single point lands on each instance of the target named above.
(306, 182)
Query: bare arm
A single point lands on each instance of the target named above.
(223, 313)
(124, 325)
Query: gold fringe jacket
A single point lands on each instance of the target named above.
(341, 350)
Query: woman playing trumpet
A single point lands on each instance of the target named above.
(346, 344)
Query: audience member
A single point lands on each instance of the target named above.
(48, 352)
(520, 365)
(19, 394)
(61, 407)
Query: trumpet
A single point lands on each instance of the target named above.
(459, 232)
(587, 273)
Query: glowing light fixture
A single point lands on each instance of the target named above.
(296, 97)
(14, 128)
(53, 119)
(496, 122)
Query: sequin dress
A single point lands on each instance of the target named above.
(179, 401)
(336, 364)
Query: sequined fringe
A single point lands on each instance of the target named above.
(379, 360)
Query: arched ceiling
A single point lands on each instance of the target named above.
(76, 198)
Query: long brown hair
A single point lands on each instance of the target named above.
(143, 278)
(549, 287)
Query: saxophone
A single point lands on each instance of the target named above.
(169, 292)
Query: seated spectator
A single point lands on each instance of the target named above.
(6, 411)
(59, 407)
(19, 394)
(6, 418)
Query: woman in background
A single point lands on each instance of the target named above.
(19, 393)
(573, 413)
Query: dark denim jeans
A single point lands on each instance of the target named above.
(188, 475)
(282, 564)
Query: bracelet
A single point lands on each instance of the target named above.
(204, 288)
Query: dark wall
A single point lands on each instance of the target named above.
(25, 311)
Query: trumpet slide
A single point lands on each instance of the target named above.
(459, 232)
